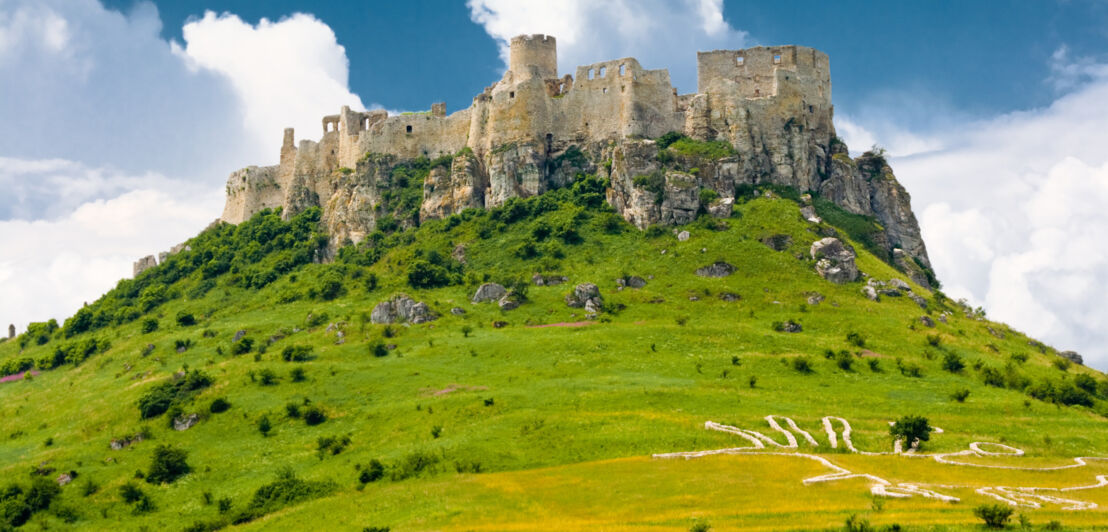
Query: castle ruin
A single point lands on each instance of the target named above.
(772, 104)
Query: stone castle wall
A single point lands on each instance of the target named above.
(530, 105)
(773, 104)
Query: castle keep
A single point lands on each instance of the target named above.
(772, 104)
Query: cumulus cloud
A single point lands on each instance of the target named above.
(115, 143)
(1012, 210)
(288, 73)
(659, 33)
(49, 268)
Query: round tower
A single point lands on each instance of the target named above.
(533, 55)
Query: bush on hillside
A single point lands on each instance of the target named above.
(911, 428)
(994, 515)
(168, 464)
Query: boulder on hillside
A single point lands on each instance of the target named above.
(809, 214)
(489, 292)
(778, 242)
(185, 422)
(716, 269)
(631, 281)
(683, 236)
(511, 301)
(927, 321)
(870, 293)
(1072, 356)
(814, 298)
(587, 296)
(900, 284)
(548, 280)
(918, 299)
(402, 309)
(835, 260)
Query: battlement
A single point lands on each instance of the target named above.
(533, 56)
(531, 105)
(758, 72)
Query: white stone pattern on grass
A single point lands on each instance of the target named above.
(1018, 496)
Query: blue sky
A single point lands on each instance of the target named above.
(979, 58)
(122, 119)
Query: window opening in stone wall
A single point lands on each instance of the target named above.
(756, 93)
(739, 60)
(549, 143)
(512, 94)
(604, 90)
(776, 59)
(603, 71)
(622, 88)
(622, 69)
(811, 109)
(590, 73)
(409, 129)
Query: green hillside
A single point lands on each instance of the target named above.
(488, 421)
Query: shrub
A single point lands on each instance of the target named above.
(168, 464)
(331, 444)
(992, 376)
(285, 490)
(854, 523)
(874, 365)
(243, 346)
(297, 375)
(219, 405)
(41, 493)
(423, 274)
(953, 363)
(130, 492)
(292, 410)
(414, 464)
(911, 428)
(934, 340)
(314, 415)
(700, 526)
(856, 339)
(185, 319)
(802, 364)
(149, 325)
(960, 395)
(264, 425)
(373, 472)
(994, 515)
(844, 360)
(1061, 363)
(267, 377)
(378, 349)
(296, 353)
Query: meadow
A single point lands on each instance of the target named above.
(485, 421)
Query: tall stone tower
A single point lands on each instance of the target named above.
(533, 56)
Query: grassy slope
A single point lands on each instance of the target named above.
(576, 411)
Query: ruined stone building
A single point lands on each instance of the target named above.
(772, 104)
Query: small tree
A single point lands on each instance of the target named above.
(264, 426)
(953, 363)
(911, 428)
(960, 395)
(994, 515)
(167, 465)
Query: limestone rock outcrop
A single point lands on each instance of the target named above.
(834, 260)
(587, 296)
(1072, 356)
(402, 309)
(716, 269)
(488, 292)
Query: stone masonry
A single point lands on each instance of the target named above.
(773, 104)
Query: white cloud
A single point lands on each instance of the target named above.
(115, 143)
(659, 33)
(1013, 211)
(49, 268)
(288, 73)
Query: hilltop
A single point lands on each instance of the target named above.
(667, 330)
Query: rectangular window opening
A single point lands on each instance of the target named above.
(409, 129)
(603, 71)
(776, 59)
(622, 69)
(740, 60)
(590, 73)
